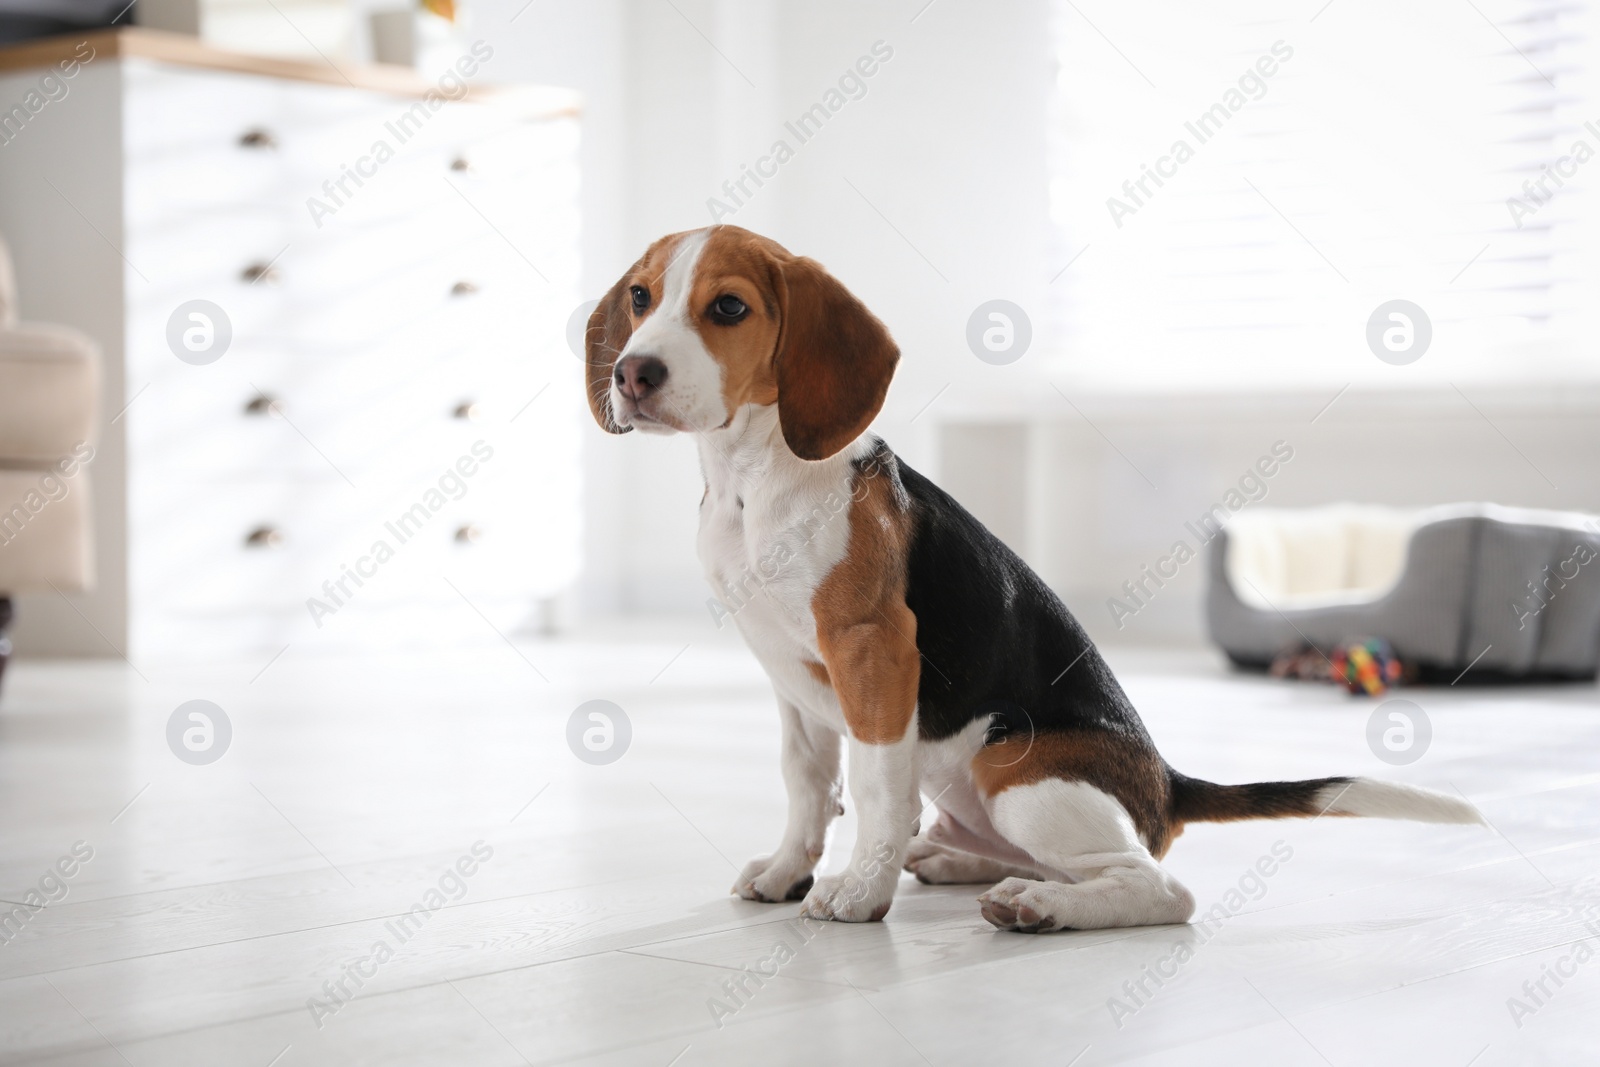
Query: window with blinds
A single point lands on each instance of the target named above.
(1237, 190)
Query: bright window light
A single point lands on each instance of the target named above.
(1243, 188)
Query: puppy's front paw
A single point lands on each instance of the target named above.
(846, 898)
(774, 879)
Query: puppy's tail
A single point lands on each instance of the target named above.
(1194, 800)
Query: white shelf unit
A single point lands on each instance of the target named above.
(377, 351)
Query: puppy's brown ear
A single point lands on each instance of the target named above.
(834, 361)
(609, 328)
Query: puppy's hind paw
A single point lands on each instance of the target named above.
(1021, 905)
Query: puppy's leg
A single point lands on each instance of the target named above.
(883, 786)
(1072, 827)
(873, 669)
(939, 865)
(921, 848)
(811, 776)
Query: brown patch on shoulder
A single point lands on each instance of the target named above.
(1126, 769)
(865, 631)
(818, 671)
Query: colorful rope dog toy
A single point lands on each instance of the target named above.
(1367, 666)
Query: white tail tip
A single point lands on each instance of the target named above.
(1391, 800)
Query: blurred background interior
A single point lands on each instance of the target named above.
(292, 418)
(377, 331)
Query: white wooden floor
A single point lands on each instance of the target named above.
(220, 898)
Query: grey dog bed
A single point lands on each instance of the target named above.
(1513, 592)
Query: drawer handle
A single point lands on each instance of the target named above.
(468, 410)
(258, 138)
(262, 272)
(460, 164)
(470, 534)
(464, 288)
(264, 537)
(264, 405)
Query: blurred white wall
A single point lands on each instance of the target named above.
(928, 196)
(943, 147)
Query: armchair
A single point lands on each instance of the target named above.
(49, 392)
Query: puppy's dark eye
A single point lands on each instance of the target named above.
(641, 298)
(728, 309)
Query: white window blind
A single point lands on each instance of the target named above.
(1243, 186)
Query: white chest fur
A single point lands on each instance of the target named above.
(771, 529)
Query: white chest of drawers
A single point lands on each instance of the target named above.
(387, 451)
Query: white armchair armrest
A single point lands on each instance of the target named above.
(49, 392)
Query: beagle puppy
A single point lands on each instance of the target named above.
(891, 621)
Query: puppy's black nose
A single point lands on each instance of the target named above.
(639, 376)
